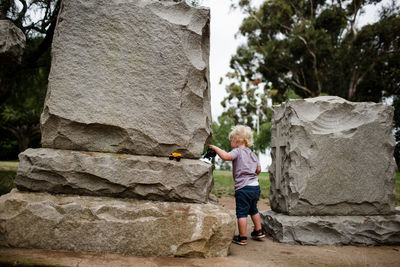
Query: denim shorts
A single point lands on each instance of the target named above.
(246, 201)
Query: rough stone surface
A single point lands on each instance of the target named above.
(142, 228)
(129, 77)
(115, 175)
(332, 157)
(333, 230)
(12, 43)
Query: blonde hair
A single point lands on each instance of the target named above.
(242, 134)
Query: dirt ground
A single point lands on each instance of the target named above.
(255, 253)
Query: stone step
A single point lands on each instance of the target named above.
(101, 224)
(114, 175)
(333, 230)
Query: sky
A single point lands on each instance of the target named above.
(225, 23)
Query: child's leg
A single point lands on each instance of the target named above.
(254, 214)
(242, 210)
(256, 221)
(242, 225)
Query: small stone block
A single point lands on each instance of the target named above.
(332, 230)
(332, 157)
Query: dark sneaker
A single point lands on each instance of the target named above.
(257, 234)
(240, 240)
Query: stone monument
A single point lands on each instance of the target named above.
(332, 174)
(129, 84)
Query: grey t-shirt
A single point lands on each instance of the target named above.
(244, 164)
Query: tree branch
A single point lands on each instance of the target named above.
(300, 87)
(21, 14)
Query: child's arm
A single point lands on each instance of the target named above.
(221, 153)
(258, 170)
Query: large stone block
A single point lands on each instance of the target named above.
(142, 228)
(12, 42)
(332, 157)
(115, 175)
(333, 230)
(129, 77)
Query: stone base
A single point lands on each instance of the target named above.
(114, 175)
(100, 224)
(333, 230)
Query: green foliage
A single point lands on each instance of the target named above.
(314, 47)
(8, 170)
(221, 131)
(23, 82)
(263, 139)
(6, 181)
(20, 113)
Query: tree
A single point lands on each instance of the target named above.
(314, 47)
(305, 48)
(23, 84)
(221, 130)
(21, 111)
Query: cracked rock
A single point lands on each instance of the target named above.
(114, 175)
(332, 157)
(109, 225)
(333, 230)
(129, 77)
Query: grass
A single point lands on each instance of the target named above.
(223, 184)
(8, 166)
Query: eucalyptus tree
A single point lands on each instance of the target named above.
(305, 48)
(23, 83)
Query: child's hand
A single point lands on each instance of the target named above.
(221, 153)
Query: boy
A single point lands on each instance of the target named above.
(245, 169)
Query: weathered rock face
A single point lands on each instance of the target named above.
(142, 228)
(332, 157)
(129, 77)
(333, 230)
(12, 43)
(116, 175)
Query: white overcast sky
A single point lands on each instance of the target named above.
(225, 24)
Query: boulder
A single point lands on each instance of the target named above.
(333, 230)
(114, 175)
(109, 225)
(129, 77)
(332, 157)
(12, 43)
